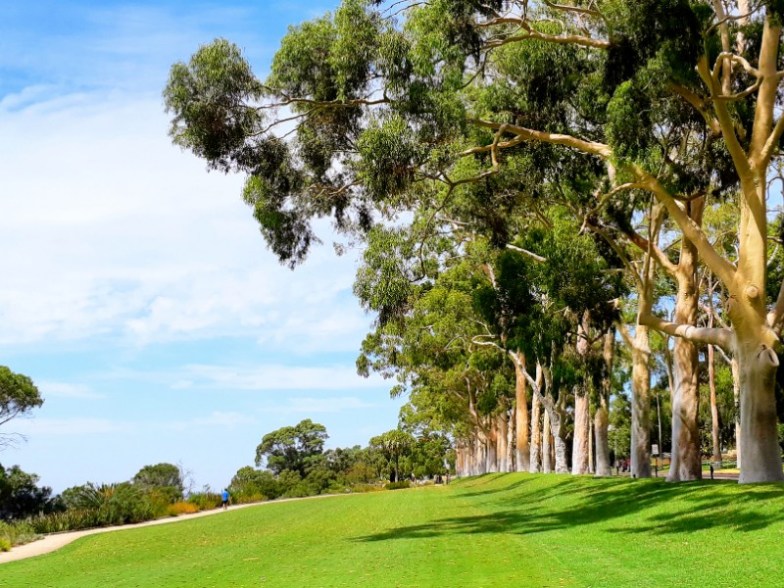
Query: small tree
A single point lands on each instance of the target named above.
(292, 448)
(394, 445)
(20, 495)
(18, 395)
(163, 478)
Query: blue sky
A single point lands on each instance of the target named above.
(136, 290)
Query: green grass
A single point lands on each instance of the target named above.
(496, 530)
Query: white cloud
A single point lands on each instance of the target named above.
(272, 377)
(123, 234)
(213, 420)
(315, 405)
(66, 390)
(71, 426)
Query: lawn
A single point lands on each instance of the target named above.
(495, 530)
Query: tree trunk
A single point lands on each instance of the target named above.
(559, 443)
(460, 460)
(736, 395)
(502, 440)
(601, 424)
(582, 417)
(686, 463)
(601, 416)
(536, 461)
(523, 448)
(547, 464)
(759, 431)
(716, 457)
(491, 455)
(580, 446)
(591, 462)
(641, 404)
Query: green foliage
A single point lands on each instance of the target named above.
(16, 533)
(18, 395)
(208, 98)
(292, 448)
(20, 495)
(395, 445)
(397, 485)
(644, 29)
(250, 483)
(205, 500)
(163, 478)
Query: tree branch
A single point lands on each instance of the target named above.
(722, 268)
(525, 134)
(710, 336)
(530, 254)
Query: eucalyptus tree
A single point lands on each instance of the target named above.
(424, 336)
(659, 58)
(676, 100)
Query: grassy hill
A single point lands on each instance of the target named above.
(495, 530)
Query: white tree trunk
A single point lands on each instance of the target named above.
(536, 462)
(715, 441)
(736, 395)
(580, 446)
(547, 464)
(759, 432)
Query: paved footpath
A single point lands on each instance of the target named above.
(57, 540)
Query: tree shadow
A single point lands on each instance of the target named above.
(627, 507)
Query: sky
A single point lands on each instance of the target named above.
(135, 288)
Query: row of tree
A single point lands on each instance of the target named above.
(296, 463)
(571, 175)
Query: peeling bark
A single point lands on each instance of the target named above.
(686, 461)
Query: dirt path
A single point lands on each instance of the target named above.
(57, 540)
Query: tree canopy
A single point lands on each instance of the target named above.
(292, 448)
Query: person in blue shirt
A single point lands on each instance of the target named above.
(225, 498)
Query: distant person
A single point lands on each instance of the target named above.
(225, 498)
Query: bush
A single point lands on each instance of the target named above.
(5, 544)
(366, 488)
(398, 485)
(16, 533)
(181, 507)
(70, 520)
(205, 500)
(248, 497)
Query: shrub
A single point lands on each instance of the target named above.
(181, 507)
(366, 488)
(247, 497)
(5, 544)
(398, 485)
(205, 500)
(17, 533)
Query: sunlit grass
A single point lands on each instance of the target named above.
(496, 530)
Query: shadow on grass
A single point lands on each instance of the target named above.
(538, 504)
